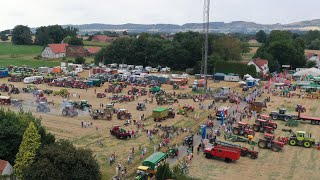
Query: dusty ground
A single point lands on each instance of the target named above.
(292, 163)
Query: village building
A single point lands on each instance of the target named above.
(103, 38)
(93, 50)
(54, 51)
(5, 169)
(313, 57)
(262, 66)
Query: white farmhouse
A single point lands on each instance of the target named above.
(262, 66)
(53, 51)
(5, 169)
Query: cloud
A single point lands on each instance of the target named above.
(42, 12)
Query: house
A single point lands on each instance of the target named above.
(253, 41)
(54, 51)
(5, 168)
(76, 51)
(257, 106)
(103, 38)
(93, 50)
(313, 57)
(261, 65)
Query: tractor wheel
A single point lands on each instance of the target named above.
(208, 156)
(293, 142)
(64, 112)
(235, 131)
(275, 148)
(313, 122)
(245, 135)
(253, 156)
(262, 144)
(256, 128)
(122, 117)
(275, 126)
(38, 109)
(227, 160)
(307, 144)
(286, 118)
(274, 117)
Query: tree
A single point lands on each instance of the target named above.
(72, 40)
(27, 150)
(79, 60)
(12, 128)
(56, 33)
(71, 31)
(4, 37)
(21, 35)
(164, 172)
(42, 36)
(261, 36)
(245, 47)
(311, 64)
(229, 48)
(314, 45)
(62, 161)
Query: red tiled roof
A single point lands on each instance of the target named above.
(75, 51)
(3, 165)
(58, 48)
(100, 38)
(310, 55)
(260, 62)
(93, 50)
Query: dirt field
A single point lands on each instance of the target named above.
(292, 163)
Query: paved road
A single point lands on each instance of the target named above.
(197, 138)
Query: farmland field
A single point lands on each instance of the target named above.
(91, 43)
(19, 55)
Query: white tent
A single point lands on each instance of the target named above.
(311, 71)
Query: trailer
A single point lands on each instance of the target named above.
(314, 120)
(32, 79)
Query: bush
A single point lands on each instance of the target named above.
(79, 60)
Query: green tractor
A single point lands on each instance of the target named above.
(301, 138)
(173, 152)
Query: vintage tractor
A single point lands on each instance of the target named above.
(16, 102)
(69, 110)
(173, 152)
(175, 86)
(83, 105)
(269, 143)
(41, 99)
(101, 95)
(15, 90)
(243, 129)
(43, 107)
(301, 138)
(133, 91)
(300, 108)
(123, 114)
(4, 88)
(188, 141)
(154, 89)
(281, 115)
(141, 106)
(261, 125)
(102, 114)
(188, 108)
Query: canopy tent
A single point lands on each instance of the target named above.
(308, 72)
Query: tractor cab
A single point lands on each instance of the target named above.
(268, 137)
(282, 111)
(301, 135)
(261, 122)
(83, 102)
(188, 140)
(123, 110)
(243, 125)
(265, 117)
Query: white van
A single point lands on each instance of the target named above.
(148, 68)
(31, 79)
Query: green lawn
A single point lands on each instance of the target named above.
(100, 44)
(10, 49)
(33, 63)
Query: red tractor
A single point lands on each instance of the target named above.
(123, 114)
(269, 121)
(269, 143)
(41, 99)
(101, 95)
(188, 108)
(243, 129)
(4, 88)
(119, 132)
(261, 125)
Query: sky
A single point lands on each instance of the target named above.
(36, 13)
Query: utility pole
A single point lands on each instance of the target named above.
(206, 18)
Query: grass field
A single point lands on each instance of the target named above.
(10, 49)
(19, 55)
(100, 44)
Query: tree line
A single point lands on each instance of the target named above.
(184, 51)
(35, 154)
(22, 35)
